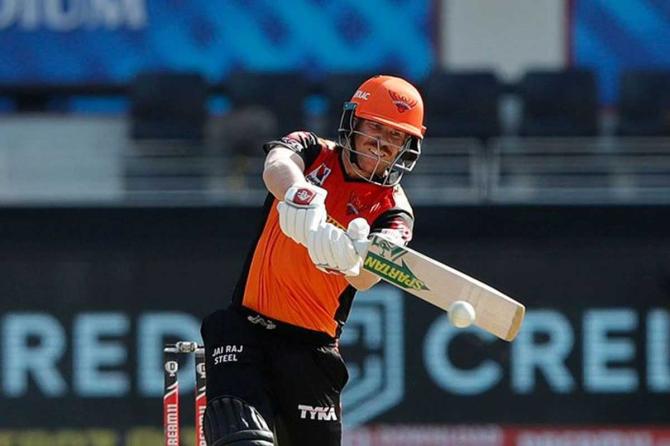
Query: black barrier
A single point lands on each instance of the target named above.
(89, 296)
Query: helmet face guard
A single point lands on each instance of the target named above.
(404, 161)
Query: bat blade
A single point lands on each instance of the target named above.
(441, 285)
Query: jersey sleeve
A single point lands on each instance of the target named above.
(305, 144)
(395, 224)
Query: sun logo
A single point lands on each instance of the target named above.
(402, 103)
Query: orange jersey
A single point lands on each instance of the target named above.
(280, 281)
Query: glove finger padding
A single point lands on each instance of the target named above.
(358, 229)
(331, 249)
(326, 255)
(312, 250)
(299, 224)
(315, 218)
(296, 223)
(345, 253)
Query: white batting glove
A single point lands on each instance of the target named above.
(332, 250)
(303, 210)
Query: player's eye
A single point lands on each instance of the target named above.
(398, 139)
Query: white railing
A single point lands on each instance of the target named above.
(580, 170)
(65, 160)
(449, 171)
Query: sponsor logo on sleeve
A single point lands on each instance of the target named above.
(319, 175)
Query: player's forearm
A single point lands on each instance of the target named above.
(283, 168)
(364, 281)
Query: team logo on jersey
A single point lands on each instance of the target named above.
(402, 103)
(355, 205)
(318, 176)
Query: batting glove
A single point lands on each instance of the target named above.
(303, 210)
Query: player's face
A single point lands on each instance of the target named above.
(377, 145)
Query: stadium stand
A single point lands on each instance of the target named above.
(559, 103)
(168, 106)
(644, 103)
(462, 104)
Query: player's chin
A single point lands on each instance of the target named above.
(377, 171)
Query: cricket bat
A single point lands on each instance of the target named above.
(441, 285)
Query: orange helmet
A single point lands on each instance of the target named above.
(390, 101)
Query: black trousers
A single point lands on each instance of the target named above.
(295, 385)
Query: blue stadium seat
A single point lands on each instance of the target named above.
(168, 106)
(283, 93)
(462, 104)
(644, 103)
(559, 103)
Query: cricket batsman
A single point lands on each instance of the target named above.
(274, 371)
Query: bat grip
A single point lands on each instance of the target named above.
(361, 247)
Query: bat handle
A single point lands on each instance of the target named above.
(361, 247)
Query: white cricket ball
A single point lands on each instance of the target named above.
(461, 314)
